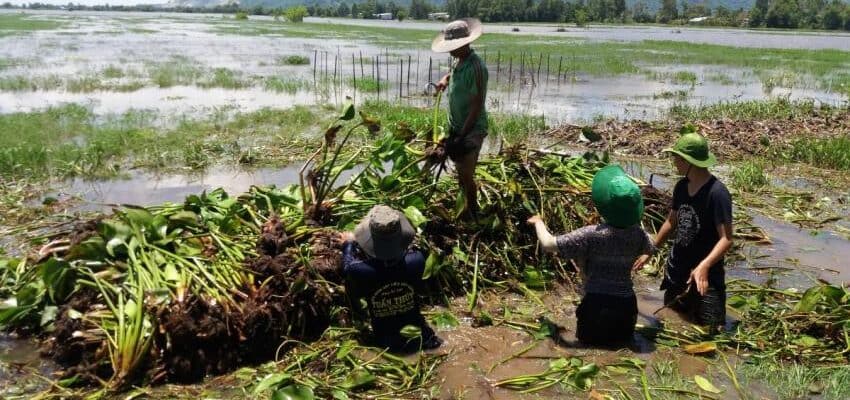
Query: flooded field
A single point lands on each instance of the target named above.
(177, 64)
(149, 115)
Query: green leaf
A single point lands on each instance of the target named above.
(171, 273)
(138, 217)
(410, 332)
(444, 320)
(59, 279)
(347, 112)
(48, 315)
(547, 329)
(339, 395)
(183, 218)
(534, 279)
(294, 392)
(433, 265)
(806, 341)
(345, 348)
(359, 378)
(706, 385)
(736, 301)
(270, 381)
(415, 216)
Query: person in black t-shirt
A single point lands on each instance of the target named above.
(379, 268)
(701, 216)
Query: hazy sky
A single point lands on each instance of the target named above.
(90, 2)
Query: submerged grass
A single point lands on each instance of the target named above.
(797, 381)
(11, 24)
(282, 84)
(575, 56)
(293, 60)
(749, 176)
(832, 153)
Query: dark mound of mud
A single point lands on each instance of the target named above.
(194, 339)
(75, 343)
(730, 138)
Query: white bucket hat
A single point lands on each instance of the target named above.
(457, 34)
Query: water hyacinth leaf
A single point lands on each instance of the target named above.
(415, 216)
(345, 348)
(294, 392)
(534, 279)
(460, 255)
(183, 218)
(583, 378)
(347, 111)
(444, 320)
(59, 279)
(358, 379)
(138, 216)
(410, 332)
(48, 315)
(339, 395)
(700, 348)
(805, 341)
(114, 245)
(112, 228)
(547, 329)
(736, 301)
(706, 385)
(589, 135)
(92, 248)
(270, 381)
(171, 273)
(433, 265)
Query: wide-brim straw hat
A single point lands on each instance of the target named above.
(693, 147)
(617, 197)
(457, 34)
(384, 233)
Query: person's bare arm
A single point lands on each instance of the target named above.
(700, 274)
(668, 226)
(547, 241)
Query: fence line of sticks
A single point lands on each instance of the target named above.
(390, 75)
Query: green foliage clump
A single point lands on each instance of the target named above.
(296, 14)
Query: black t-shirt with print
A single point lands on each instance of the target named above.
(696, 231)
(390, 292)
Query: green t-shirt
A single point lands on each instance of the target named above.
(468, 79)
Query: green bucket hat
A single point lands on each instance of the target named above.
(617, 197)
(693, 147)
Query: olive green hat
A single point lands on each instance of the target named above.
(693, 147)
(617, 197)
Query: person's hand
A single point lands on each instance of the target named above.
(640, 262)
(534, 219)
(442, 84)
(345, 237)
(700, 276)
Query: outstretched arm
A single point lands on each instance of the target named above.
(547, 241)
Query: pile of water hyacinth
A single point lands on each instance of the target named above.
(177, 292)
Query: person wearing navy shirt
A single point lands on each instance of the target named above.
(380, 268)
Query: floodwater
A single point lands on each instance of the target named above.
(718, 36)
(139, 43)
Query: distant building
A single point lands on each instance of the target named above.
(384, 16)
(438, 16)
(698, 20)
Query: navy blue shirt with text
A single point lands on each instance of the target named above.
(390, 291)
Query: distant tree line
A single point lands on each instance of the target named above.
(809, 14)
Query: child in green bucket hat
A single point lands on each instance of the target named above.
(608, 310)
(701, 216)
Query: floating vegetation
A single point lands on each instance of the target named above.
(172, 293)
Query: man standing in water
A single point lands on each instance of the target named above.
(467, 91)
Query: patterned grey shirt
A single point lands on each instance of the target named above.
(608, 254)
